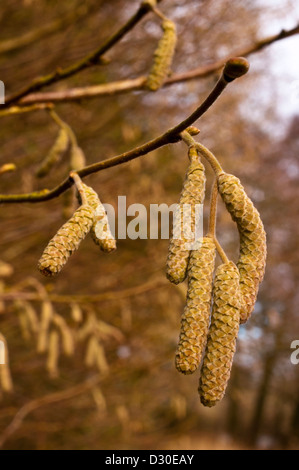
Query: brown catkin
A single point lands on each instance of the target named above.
(55, 154)
(163, 57)
(196, 316)
(253, 248)
(100, 230)
(221, 343)
(193, 193)
(66, 241)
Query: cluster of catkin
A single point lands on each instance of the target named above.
(215, 307)
(55, 336)
(89, 217)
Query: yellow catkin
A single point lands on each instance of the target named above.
(76, 313)
(253, 248)
(55, 154)
(68, 345)
(195, 319)
(45, 322)
(66, 241)
(77, 158)
(6, 383)
(100, 230)
(101, 361)
(221, 343)
(91, 352)
(183, 233)
(6, 269)
(53, 355)
(163, 57)
(99, 399)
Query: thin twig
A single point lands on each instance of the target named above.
(25, 109)
(88, 61)
(79, 186)
(170, 136)
(213, 210)
(204, 152)
(46, 400)
(220, 251)
(124, 86)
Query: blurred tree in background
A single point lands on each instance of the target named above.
(132, 397)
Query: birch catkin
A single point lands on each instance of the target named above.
(55, 154)
(195, 319)
(66, 241)
(221, 343)
(163, 57)
(253, 249)
(100, 230)
(183, 233)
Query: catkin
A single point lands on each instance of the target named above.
(68, 345)
(221, 343)
(53, 355)
(27, 316)
(253, 248)
(162, 57)
(66, 241)
(55, 154)
(45, 322)
(100, 230)
(183, 233)
(195, 319)
(91, 352)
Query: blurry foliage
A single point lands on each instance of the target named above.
(141, 401)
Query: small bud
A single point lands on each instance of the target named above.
(235, 68)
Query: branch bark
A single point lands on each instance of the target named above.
(124, 86)
(93, 58)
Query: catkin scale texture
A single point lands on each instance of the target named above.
(163, 57)
(100, 230)
(253, 248)
(66, 241)
(195, 319)
(221, 343)
(193, 193)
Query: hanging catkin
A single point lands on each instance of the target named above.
(183, 233)
(100, 230)
(221, 343)
(253, 249)
(163, 57)
(195, 319)
(55, 154)
(44, 325)
(53, 355)
(66, 241)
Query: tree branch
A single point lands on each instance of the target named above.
(170, 136)
(91, 59)
(124, 86)
(81, 299)
(46, 400)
